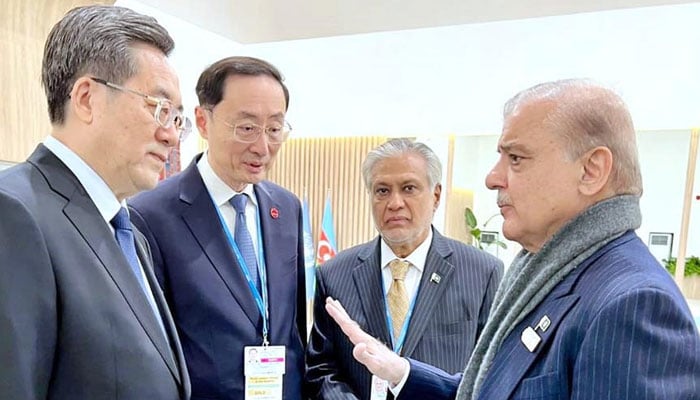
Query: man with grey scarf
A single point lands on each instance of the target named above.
(584, 311)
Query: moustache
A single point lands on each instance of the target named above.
(503, 200)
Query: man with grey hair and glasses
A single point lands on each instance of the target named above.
(584, 311)
(423, 294)
(82, 316)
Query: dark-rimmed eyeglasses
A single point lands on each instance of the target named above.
(165, 114)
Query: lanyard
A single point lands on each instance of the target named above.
(260, 301)
(402, 336)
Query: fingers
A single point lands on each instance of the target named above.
(381, 361)
(368, 351)
(336, 310)
(351, 329)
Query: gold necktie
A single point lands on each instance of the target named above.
(397, 298)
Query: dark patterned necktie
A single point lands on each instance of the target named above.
(243, 238)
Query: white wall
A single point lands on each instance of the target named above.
(455, 79)
(195, 49)
(663, 157)
(432, 82)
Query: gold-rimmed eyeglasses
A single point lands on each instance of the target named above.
(246, 131)
(165, 114)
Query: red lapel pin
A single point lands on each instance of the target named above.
(274, 213)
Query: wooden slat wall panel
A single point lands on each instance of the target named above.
(313, 167)
(24, 25)
(455, 226)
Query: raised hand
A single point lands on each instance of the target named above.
(368, 351)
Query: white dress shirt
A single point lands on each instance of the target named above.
(100, 194)
(415, 270)
(411, 282)
(222, 193)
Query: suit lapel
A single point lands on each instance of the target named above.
(95, 232)
(429, 292)
(90, 225)
(367, 276)
(272, 236)
(99, 238)
(159, 340)
(203, 221)
(514, 359)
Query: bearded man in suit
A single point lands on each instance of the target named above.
(425, 295)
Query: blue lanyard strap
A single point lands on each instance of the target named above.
(260, 300)
(398, 344)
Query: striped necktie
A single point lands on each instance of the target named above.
(243, 238)
(397, 298)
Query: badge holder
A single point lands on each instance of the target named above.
(530, 338)
(264, 368)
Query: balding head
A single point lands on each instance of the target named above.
(587, 115)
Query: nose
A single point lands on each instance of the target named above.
(261, 146)
(395, 201)
(168, 136)
(495, 179)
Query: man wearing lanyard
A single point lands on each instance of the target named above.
(227, 245)
(424, 295)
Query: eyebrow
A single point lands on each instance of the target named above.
(509, 147)
(413, 181)
(245, 114)
(162, 93)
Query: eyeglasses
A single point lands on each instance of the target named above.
(165, 114)
(249, 132)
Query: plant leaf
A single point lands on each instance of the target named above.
(470, 218)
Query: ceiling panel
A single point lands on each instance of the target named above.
(256, 21)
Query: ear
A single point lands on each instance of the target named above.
(82, 99)
(201, 121)
(597, 166)
(436, 193)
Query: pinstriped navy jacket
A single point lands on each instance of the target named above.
(447, 318)
(620, 329)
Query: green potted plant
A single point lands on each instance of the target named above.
(692, 266)
(475, 232)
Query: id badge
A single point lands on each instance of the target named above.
(379, 388)
(263, 369)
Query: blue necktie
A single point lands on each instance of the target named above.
(125, 238)
(243, 239)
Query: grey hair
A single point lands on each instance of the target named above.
(586, 115)
(95, 40)
(400, 147)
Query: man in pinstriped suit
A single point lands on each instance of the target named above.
(451, 285)
(585, 311)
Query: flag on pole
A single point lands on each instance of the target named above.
(309, 257)
(326, 241)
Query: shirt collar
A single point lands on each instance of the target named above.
(416, 258)
(96, 188)
(218, 189)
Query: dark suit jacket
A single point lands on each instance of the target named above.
(447, 318)
(620, 329)
(214, 310)
(74, 322)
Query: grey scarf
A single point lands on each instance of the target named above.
(532, 276)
